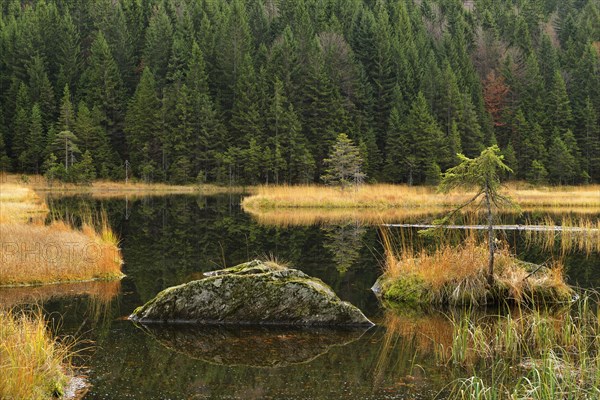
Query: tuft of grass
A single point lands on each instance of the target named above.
(274, 261)
(33, 364)
(451, 274)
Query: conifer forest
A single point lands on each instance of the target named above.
(257, 91)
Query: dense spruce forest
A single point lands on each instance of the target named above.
(256, 91)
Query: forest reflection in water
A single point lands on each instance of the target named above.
(170, 240)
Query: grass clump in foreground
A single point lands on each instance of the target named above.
(453, 275)
(33, 364)
(527, 354)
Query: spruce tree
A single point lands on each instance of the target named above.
(92, 137)
(234, 44)
(246, 121)
(561, 166)
(209, 130)
(424, 140)
(589, 137)
(67, 114)
(41, 89)
(559, 106)
(102, 85)
(399, 159)
(344, 164)
(20, 125)
(143, 126)
(69, 55)
(31, 158)
(158, 42)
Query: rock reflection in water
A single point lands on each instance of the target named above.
(253, 346)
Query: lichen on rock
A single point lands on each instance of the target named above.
(251, 293)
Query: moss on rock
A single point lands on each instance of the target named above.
(251, 293)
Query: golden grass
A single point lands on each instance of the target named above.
(33, 365)
(32, 252)
(39, 254)
(20, 204)
(458, 275)
(378, 196)
(382, 196)
(110, 189)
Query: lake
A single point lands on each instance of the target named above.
(174, 239)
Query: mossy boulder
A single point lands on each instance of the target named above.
(252, 293)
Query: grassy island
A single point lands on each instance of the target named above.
(33, 252)
(455, 275)
(386, 196)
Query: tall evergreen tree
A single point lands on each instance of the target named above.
(143, 127)
(559, 106)
(589, 137)
(31, 158)
(92, 138)
(158, 42)
(101, 83)
(67, 114)
(246, 122)
(209, 130)
(20, 125)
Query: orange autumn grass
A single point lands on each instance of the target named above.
(33, 364)
(457, 274)
(381, 196)
(32, 252)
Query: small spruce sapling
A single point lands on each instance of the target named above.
(482, 174)
(344, 164)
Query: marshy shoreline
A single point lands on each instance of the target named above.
(36, 254)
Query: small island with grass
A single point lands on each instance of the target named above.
(477, 271)
(36, 252)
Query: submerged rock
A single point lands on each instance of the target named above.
(252, 293)
(255, 346)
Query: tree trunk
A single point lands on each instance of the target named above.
(490, 276)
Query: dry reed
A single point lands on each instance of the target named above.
(580, 234)
(33, 365)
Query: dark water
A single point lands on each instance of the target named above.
(172, 240)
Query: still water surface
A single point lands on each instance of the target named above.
(171, 240)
